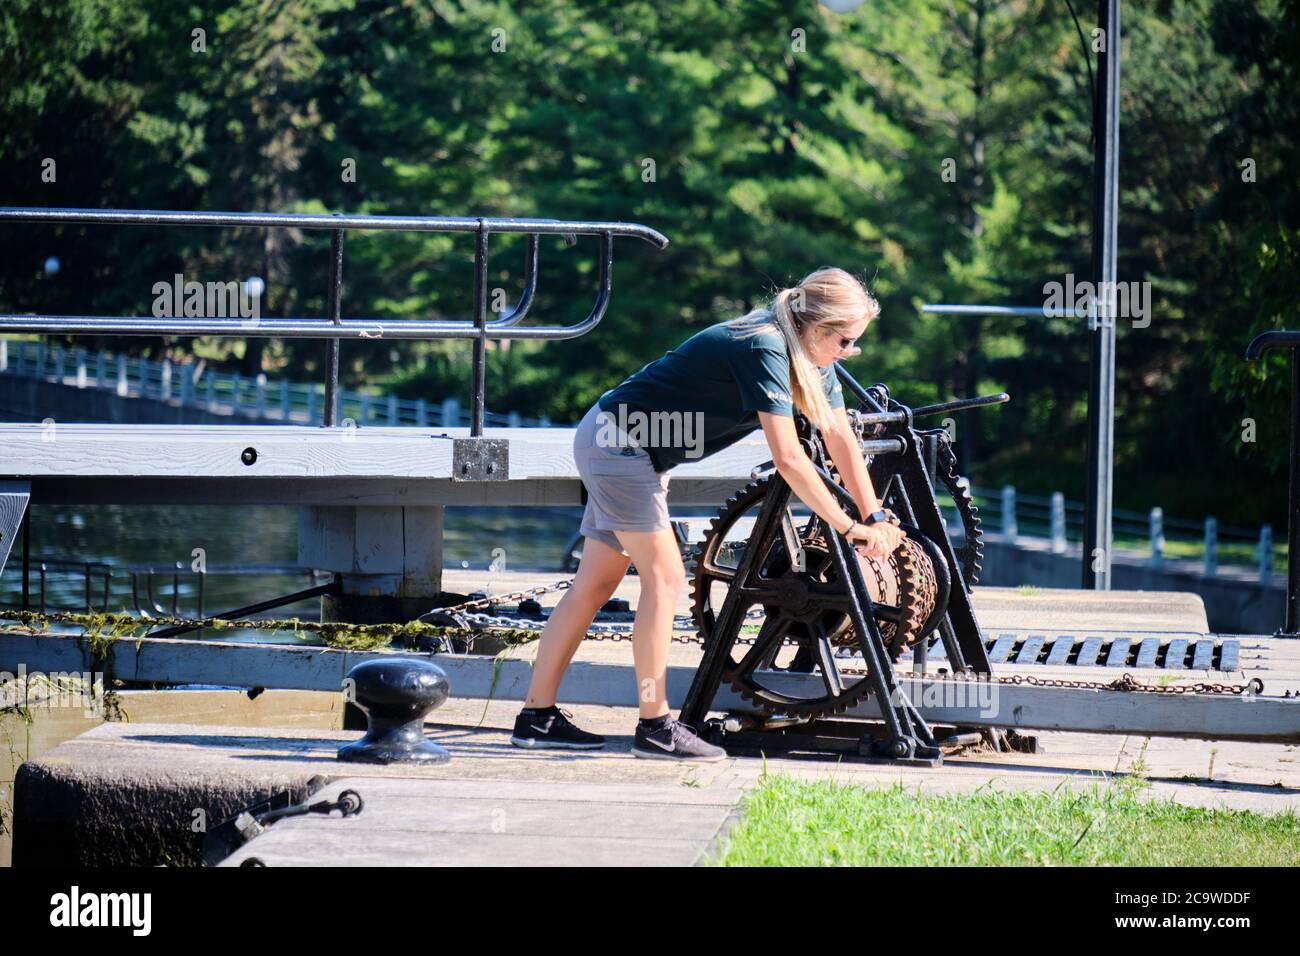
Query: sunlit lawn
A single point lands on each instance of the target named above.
(789, 822)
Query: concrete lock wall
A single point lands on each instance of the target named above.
(83, 816)
(1233, 605)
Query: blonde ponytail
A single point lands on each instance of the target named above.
(828, 296)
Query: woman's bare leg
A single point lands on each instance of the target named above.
(599, 573)
(659, 566)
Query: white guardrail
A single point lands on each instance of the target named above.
(193, 385)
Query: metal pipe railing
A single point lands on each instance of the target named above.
(276, 400)
(333, 327)
(1019, 311)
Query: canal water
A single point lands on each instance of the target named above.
(262, 541)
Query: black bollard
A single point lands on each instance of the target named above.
(395, 694)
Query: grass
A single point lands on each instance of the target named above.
(789, 822)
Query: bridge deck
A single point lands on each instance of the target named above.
(297, 464)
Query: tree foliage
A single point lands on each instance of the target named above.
(940, 149)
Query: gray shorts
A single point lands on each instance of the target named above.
(624, 492)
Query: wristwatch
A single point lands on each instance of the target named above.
(876, 517)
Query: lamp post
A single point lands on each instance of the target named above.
(1101, 354)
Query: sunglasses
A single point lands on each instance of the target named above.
(845, 343)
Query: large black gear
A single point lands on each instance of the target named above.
(971, 553)
(810, 609)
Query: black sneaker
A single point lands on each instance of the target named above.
(674, 741)
(550, 729)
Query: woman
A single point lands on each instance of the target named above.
(704, 395)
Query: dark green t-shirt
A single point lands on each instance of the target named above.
(706, 394)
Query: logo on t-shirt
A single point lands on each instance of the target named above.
(778, 396)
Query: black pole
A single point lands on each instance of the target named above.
(27, 554)
(1101, 322)
(480, 343)
(268, 605)
(1292, 627)
(1281, 339)
(335, 313)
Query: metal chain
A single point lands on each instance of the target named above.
(1129, 683)
(611, 631)
(599, 631)
(1126, 683)
(506, 598)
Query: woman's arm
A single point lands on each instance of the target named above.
(842, 444)
(799, 473)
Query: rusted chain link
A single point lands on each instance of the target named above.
(1129, 683)
(507, 598)
(341, 634)
(332, 633)
(509, 631)
(1126, 683)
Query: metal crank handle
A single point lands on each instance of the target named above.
(961, 404)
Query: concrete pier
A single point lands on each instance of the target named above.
(139, 792)
(128, 793)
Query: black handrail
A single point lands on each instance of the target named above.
(333, 327)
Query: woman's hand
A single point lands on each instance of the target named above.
(877, 540)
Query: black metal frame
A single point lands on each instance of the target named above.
(902, 479)
(1258, 346)
(148, 603)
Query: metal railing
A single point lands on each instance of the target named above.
(193, 385)
(334, 327)
(98, 586)
(1218, 547)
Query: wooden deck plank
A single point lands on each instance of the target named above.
(1147, 652)
(1061, 649)
(1117, 656)
(1088, 651)
(1001, 648)
(1176, 654)
(1030, 650)
(1203, 654)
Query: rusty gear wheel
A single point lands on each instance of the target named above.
(803, 614)
(971, 553)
